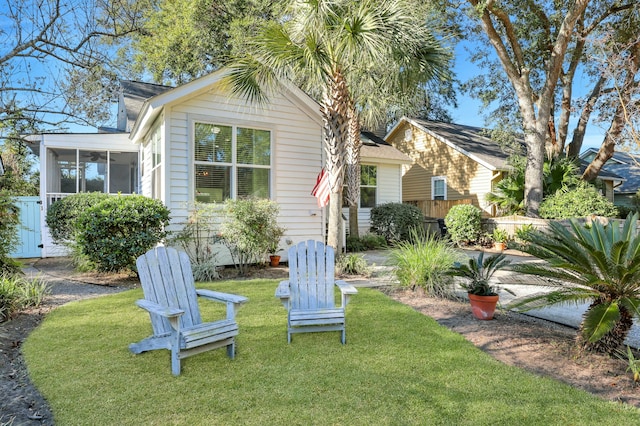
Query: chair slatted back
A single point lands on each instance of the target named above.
(166, 278)
(311, 275)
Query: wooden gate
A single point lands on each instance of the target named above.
(29, 244)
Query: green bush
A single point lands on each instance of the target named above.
(17, 293)
(463, 223)
(366, 242)
(114, 232)
(581, 201)
(424, 262)
(250, 230)
(9, 222)
(395, 221)
(63, 214)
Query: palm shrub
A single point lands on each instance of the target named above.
(464, 223)
(113, 233)
(423, 262)
(600, 264)
(478, 272)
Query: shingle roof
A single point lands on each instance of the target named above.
(135, 93)
(376, 147)
(622, 164)
(472, 141)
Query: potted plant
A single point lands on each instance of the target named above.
(500, 238)
(274, 257)
(478, 272)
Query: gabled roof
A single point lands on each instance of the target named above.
(152, 107)
(622, 164)
(468, 140)
(375, 147)
(135, 93)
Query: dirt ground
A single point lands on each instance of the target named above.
(538, 346)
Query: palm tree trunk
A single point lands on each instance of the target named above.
(353, 170)
(334, 109)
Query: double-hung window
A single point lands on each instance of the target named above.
(368, 186)
(439, 188)
(231, 162)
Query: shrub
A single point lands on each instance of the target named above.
(366, 242)
(249, 229)
(463, 223)
(197, 238)
(395, 221)
(581, 201)
(352, 264)
(424, 262)
(17, 293)
(9, 222)
(62, 216)
(114, 232)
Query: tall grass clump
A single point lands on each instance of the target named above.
(17, 293)
(423, 262)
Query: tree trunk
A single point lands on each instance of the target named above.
(352, 159)
(533, 173)
(573, 150)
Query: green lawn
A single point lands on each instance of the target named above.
(399, 367)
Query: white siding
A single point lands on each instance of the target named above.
(296, 155)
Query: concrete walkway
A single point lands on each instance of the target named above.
(569, 314)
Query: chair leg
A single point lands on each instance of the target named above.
(288, 336)
(344, 336)
(231, 350)
(175, 361)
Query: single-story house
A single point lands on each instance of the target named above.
(453, 164)
(625, 165)
(201, 142)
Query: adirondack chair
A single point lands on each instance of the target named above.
(308, 294)
(171, 299)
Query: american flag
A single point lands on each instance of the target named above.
(321, 191)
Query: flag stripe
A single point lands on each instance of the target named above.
(321, 190)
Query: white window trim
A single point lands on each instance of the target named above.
(369, 186)
(433, 186)
(233, 164)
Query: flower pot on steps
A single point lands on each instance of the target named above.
(483, 307)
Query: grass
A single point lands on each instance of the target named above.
(399, 367)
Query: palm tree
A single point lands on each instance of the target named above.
(324, 46)
(595, 263)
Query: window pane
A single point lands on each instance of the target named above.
(254, 146)
(253, 182)
(213, 143)
(93, 171)
(123, 172)
(438, 187)
(367, 197)
(213, 183)
(63, 172)
(368, 175)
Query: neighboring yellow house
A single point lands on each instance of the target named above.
(453, 164)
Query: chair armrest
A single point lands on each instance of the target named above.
(346, 288)
(233, 301)
(283, 292)
(221, 297)
(154, 308)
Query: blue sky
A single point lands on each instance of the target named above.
(469, 109)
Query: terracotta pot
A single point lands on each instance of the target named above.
(483, 307)
(275, 260)
(500, 246)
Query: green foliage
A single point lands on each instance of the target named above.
(423, 262)
(368, 241)
(62, 215)
(114, 232)
(500, 235)
(352, 264)
(396, 221)
(463, 223)
(599, 264)
(19, 177)
(9, 222)
(478, 271)
(559, 173)
(250, 230)
(580, 201)
(17, 293)
(522, 232)
(197, 238)
(633, 363)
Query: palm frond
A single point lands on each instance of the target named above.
(544, 299)
(599, 320)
